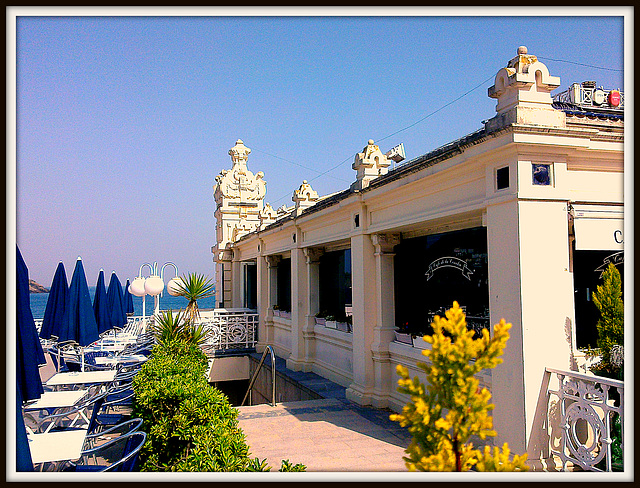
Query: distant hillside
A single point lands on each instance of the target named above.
(36, 287)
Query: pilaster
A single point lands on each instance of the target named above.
(383, 332)
(363, 269)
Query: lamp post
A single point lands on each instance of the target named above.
(153, 285)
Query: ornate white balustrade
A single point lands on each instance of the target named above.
(585, 411)
(229, 328)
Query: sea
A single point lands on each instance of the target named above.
(38, 303)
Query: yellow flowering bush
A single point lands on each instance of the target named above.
(443, 415)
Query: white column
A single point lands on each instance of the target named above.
(262, 278)
(299, 311)
(272, 283)
(383, 332)
(312, 256)
(363, 272)
(530, 285)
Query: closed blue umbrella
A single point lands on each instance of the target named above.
(117, 317)
(100, 305)
(79, 319)
(29, 356)
(24, 462)
(29, 350)
(56, 303)
(127, 300)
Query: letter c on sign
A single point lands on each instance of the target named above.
(617, 236)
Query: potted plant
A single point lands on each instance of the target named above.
(320, 318)
(343, 324)
(402, 334)
(276, 310)
(285, 314)
(330, 322)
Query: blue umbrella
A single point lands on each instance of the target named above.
(56, 303)
(127, 300)
(29, 349)
(29, 356)
(24, 462)
(79, 323)
(117, 317)
(100, 305)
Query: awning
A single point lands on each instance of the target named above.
(598, 227)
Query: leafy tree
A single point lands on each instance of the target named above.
(443, 416)
(608, 299)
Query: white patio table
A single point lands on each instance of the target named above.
(57, 399)
(73, 378)
(53, 400)
(110, 347)
(120, 359)
(53, 447)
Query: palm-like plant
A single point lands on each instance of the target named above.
(194, 287)
(168, 328)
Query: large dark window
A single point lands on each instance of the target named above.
(335, 282)
(250, 291)
(283, 291)
(587, 271)
(432, 272)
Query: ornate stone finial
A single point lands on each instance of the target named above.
(239, 153)
(305, 196)
(523, 91)
(369, 164)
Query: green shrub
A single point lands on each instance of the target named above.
(443, 415)
(191, 425)
(608, 299)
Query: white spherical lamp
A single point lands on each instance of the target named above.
(136, 287)
(154, 285)
(172, 286)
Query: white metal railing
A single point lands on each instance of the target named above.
(229, 328)
(225, 328)
(588, 408)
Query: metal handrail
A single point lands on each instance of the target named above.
(273, 376)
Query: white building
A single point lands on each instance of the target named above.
(512, 221)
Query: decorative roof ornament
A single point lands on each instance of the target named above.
(523, 90)
(304, 197)
(369, 164)
(239, 155)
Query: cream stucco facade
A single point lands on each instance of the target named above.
(488, 182)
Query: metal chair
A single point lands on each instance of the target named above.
(97, 438)
(119, 454)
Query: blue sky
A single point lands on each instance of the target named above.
(123, 122)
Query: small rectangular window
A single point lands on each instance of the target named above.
(541, 174)
(502, 178)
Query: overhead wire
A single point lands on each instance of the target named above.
(580, 64)
(398, 131)
(426, 117)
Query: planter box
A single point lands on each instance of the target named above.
(343, 326)
(276, 313)
(331, 324)
(285, 315)
(403, 338)
(419, 343)
(320, 321)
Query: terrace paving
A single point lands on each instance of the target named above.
(326, 434)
